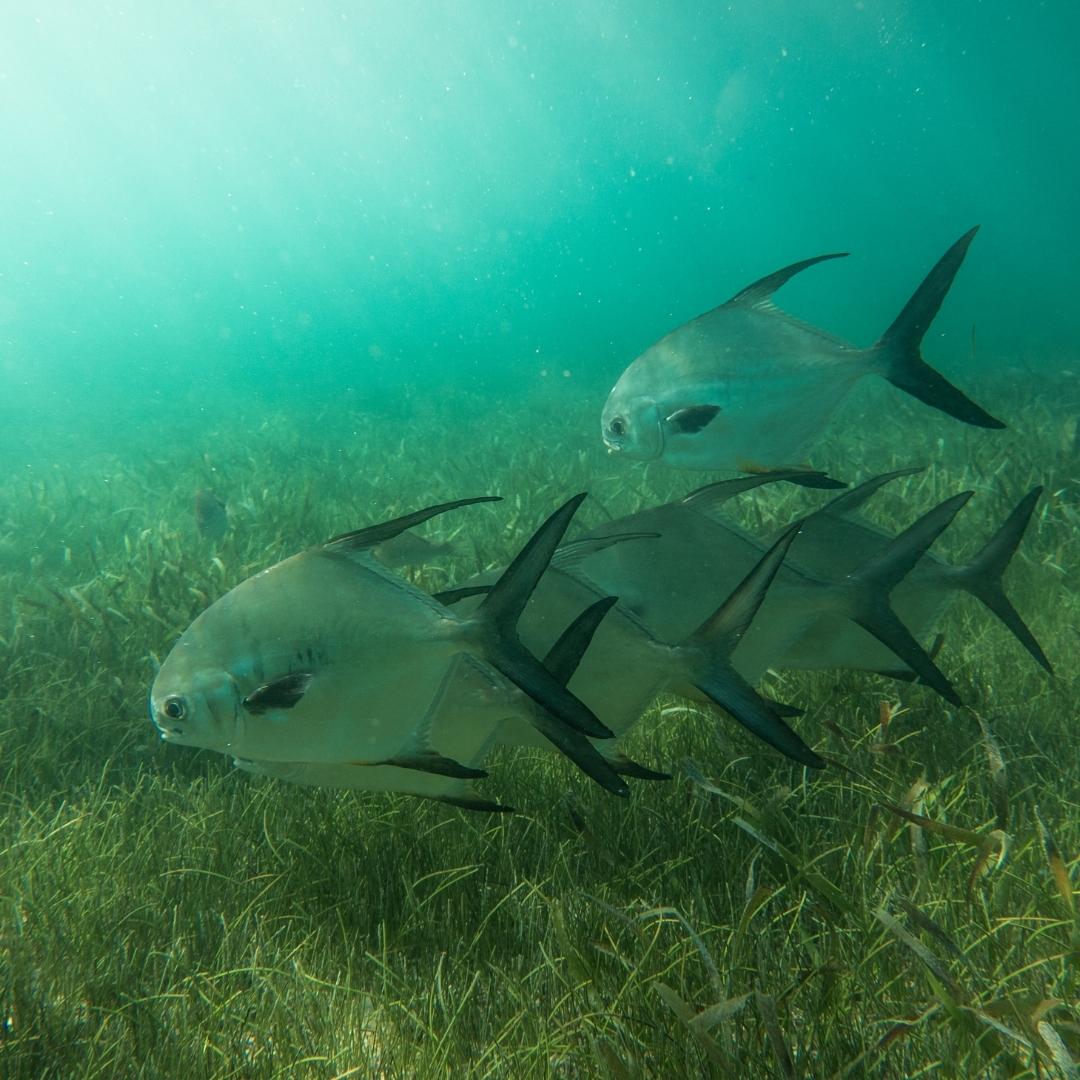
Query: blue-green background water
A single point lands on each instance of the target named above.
(240, 205)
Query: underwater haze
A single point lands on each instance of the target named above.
(234, 203)
(271, 272)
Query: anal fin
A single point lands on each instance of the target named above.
(469, 801)
(430, 762)
(621, 764)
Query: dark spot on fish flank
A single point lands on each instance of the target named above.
(692, 419)
(282, 693)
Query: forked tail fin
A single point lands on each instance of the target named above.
(494, 628)
(897, 352)
(982, 577)
(706, 658)
(865, 592)
(562, 661)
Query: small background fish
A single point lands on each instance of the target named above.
(211, 515)
(409, 549)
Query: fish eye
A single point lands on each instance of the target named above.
(617, 426)
(174, 708)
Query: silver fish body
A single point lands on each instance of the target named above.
(328, 667)
(632, 659)
(857, 598)
(347, 624)
(806, 621)
(773, 383)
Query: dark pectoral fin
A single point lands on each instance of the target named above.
(690, 420)
(282, 693)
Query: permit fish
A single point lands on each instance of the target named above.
(836, 538)
(463, 702)
(746, 387)
(328, 669)
(636, 666)
(328, 662)
(855, 597)
(628, 664)
(667, 583)
(849, 595)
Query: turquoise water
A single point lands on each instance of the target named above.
(231, 205)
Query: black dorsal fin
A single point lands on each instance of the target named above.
(568, 557)
(761, 291)
(362, 539)
(711, 497)
(853, 500)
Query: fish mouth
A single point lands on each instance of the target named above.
(164, 732)
(620, 448)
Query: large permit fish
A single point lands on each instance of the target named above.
(747, 387)
(329, 669)
(848, 595)
(329, 661)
